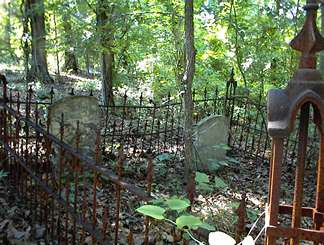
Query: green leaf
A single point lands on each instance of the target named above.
(252, 214)
(234, 205)
(204, 187)
(186, 236)
(152, 211)
(201, 177)
(219, 183)
(188, 221)
(178, 204)
(207, 227)
(164, 157)
(3, 174)
(158, 202)
(232, 160)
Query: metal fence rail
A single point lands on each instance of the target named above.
(75, 197)
(143, 125)
(62, 186)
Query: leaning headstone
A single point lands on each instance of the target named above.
(84, 109)
(210, 140)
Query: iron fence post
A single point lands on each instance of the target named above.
(4, 121)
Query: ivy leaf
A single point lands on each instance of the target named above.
(201, 177)
(152, 211)
(188, 221)
(219, 183)
(207, 227)
(178, 204)
(216, 238)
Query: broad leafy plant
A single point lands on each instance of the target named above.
(163, 209)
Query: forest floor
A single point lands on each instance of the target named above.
(249, 176)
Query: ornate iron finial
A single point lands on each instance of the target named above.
(309, 41)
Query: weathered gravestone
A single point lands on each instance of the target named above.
(210, 140)
(84, 109)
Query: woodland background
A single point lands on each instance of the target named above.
(140, 44)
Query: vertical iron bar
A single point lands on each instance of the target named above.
(300, 169)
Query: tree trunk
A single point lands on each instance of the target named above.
(71, 62)
(58, 73)
(278, 5)
(107, 76)
(25, 36)
(322, 31)
(177, 32)
(104, 22)
(87, 62)
(39, 70)
(187, 83)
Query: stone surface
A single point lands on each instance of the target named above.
(84, 109)
(210, 138)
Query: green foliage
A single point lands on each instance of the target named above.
(218, 164)
(152, 211)
(164, 157)
(219, 183)
(177, 204)
(3, 174)
(252, 214)
(162, 210)
(147, 40)
(188, 222)
(204, 184)
(201, 178)
(88, 85)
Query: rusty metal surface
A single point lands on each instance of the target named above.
(63, 194)
(304, 90)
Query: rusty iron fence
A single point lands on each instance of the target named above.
(143, 125)
(65, 194)
(76, 198)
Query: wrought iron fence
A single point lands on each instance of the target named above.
(75, 197)
(58, 192)
(143, 125)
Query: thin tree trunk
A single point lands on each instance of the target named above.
(39, 68)
(56, 47)
(104, 22)
(187, 83)
(107, 76)
(70, 59)
(25, 36)
(278, 5)
(87, 62)
(177, 23)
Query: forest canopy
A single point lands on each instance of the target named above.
(143, 41)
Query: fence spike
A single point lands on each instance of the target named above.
(72, 92)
